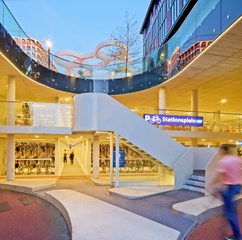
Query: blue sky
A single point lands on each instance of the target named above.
(77, 25)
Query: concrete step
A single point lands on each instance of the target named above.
(197, 178)
(195, 183)
(199, 172)
(194, 188)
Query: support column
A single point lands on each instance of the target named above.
(162, 177)
(57, 112)
(88, 155)
(117, 161)
(11, 101)
(194, 109)
(10, 157)
(11, 122)
(162, 103)
(217, 121)
(96, 153)
(111, 158)
(57, 157)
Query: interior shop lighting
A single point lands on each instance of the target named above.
(223, 101)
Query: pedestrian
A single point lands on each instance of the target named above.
(65, 156)
(228, 182)
(72, 157)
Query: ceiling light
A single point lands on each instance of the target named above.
(223, 101)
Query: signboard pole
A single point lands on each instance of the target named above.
(111, 159)
(117, 161)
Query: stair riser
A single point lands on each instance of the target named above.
(195, 183)
(197, 178)
(192, 188)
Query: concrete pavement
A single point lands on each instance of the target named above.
(135, 212)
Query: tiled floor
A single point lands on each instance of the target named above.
(27, 217)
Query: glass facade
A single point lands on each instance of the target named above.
(160, 20)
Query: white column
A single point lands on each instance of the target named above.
(162, 100)
(58, 158)
(96, 153)
(11, 122)
(10, 157)
(194, 109)
(57, 112)
(117, 161)
(162, 103)
(88, 155)
(111, 158)
(217, 121)
(194, 102)
(161, 172)
(11, 101)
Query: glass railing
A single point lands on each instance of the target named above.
(60, 115)
(212, 121)
(207, 20)
(36, 114)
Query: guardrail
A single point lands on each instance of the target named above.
(36, 114)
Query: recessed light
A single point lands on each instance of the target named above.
(223, 101)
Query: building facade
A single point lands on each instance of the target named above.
(34, 49)
(162, 20)
(177, 80)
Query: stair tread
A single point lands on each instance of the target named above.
(196, 186)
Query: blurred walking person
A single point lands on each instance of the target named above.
(71, 157)
(228, 180)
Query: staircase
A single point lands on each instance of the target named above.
(143, 153)
(100, 112)
(196, 182)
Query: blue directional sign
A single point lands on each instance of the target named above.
(162, 119)
(121, 158)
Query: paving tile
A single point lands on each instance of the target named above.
(4, 206)
(25, 201)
